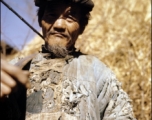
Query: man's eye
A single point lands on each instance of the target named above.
(72, 18)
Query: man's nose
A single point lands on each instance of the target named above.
(59, 25)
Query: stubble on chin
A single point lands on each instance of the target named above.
(57, 50)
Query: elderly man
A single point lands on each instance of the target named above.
(65, 84)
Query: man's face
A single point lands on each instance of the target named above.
(60, 25)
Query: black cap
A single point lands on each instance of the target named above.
(85, 3)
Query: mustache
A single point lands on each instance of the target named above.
(55, 32)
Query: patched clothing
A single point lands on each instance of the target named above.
(74, 88)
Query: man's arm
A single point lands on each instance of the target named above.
(114, 103)
(10, 77)
(119, 105)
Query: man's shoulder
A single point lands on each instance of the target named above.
(99, 68)
(92, 60)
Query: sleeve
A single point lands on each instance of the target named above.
(114, 103)
(13, 107)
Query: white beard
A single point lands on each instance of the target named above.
(57, 51)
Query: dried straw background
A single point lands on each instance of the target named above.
(119, 34)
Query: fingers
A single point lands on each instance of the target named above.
(5, 90)
(7, 80)
(25, 80)
(16, 73)
(10, 77)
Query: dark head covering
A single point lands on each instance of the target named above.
(88, 4)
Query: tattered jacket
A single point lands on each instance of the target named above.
(74, 88)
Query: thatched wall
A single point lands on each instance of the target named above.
(119, 35)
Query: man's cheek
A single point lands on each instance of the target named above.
(45, 27)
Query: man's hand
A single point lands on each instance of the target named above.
(10, 77)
